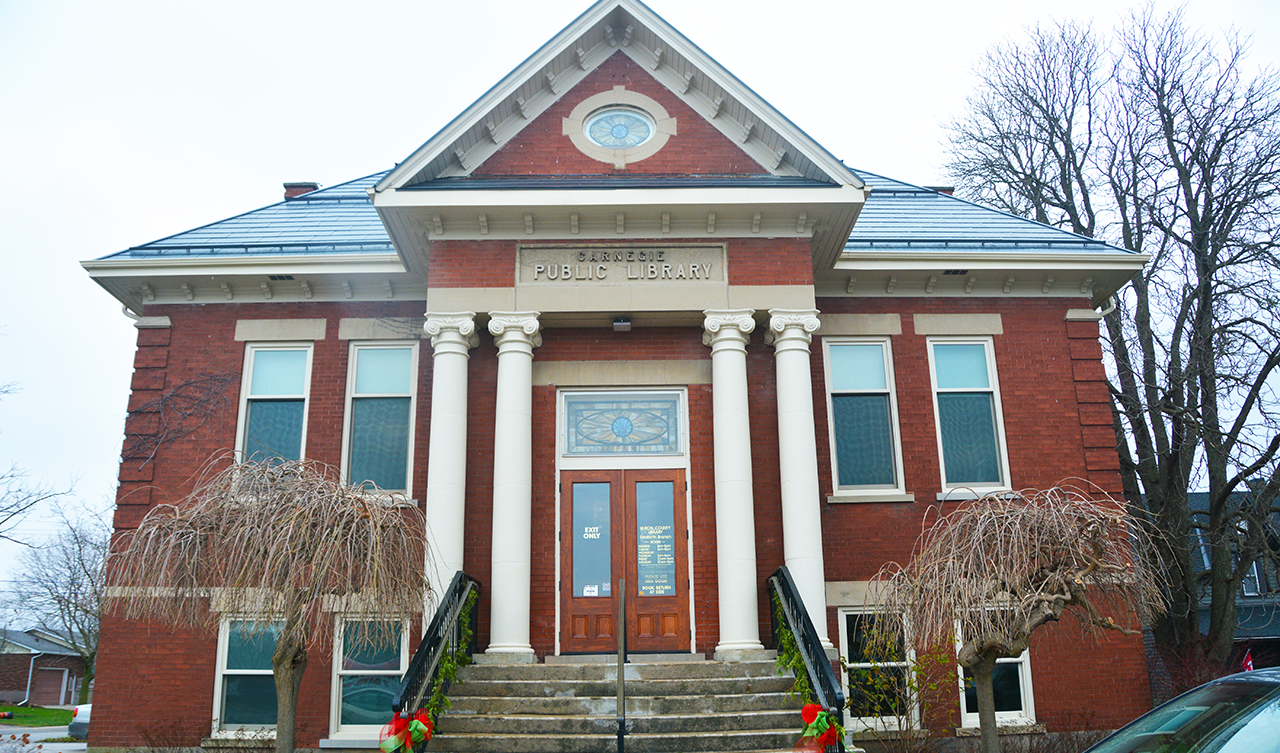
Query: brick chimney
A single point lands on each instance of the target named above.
(297, 189)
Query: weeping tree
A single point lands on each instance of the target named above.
(281, 545)
(999, 567)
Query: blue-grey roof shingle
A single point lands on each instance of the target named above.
(341, 220)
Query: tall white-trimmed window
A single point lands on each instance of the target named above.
(866, 446)
(273, 401)
(1011, 683)
(368, 663)
(966, 405)
(245, 692)
(381, 389)
(877, 671)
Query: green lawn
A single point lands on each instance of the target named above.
(35, 717)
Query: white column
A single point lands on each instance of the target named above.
(727, 332)
(516, 335)
(453, 335)
(790, 332)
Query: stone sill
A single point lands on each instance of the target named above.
(1003, 729)
(867, 735)
(240, 743)
(843, 498)
(353, 743)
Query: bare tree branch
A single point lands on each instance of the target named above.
(1159, 140)
(62, 583)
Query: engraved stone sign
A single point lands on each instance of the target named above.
(621, 265)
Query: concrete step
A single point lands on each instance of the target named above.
(546, 724)
(735, 742)
(635, 670)
(682, 706)
(637, 688)
(636, 705)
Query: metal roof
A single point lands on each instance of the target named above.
(335, 220)
(341, 220)
(900, 216)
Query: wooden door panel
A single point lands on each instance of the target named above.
(624, 524)
(656, 561)
(591, 559)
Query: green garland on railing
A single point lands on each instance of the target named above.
(451, 661)
(789, 656)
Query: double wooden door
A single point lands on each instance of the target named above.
(626, 525)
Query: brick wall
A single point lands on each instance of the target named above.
(1058, 430)
(1048, 417)
(543, 149)
(1053, 403)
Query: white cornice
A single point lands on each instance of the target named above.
(962, 259)
(621, 197)
(247, 265)
(1094, 275)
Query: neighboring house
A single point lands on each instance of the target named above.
(620, 318)
(1258, 602)
(38, 667)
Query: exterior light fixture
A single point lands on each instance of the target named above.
(622, 324)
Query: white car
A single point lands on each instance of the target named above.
(79, 726)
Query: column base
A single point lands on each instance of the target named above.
(738, 652)
(505, 656)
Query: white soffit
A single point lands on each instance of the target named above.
(632, 28)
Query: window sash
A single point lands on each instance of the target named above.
(275, 385)
(378, 422)
(861, 669)
(245, 697)
(363, 686)
(866, 447)
(1007, 673)
(967, 414)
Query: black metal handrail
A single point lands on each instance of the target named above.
(443, 634)
(622, 658)
(825, 686)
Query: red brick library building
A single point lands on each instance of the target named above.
(622, 319)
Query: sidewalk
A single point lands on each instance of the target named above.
(43, 733)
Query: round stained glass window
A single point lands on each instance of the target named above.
(619, 128)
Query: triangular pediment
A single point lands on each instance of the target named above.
(611, 27)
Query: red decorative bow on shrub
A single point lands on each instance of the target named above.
(820, 729)
(404, 733)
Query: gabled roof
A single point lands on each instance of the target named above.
(32, 643)
(607, 27)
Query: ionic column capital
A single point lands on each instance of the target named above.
(791, 329)
(729, 328)
(515, 329)
(455, 328)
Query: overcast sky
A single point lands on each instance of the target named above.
(123, 122)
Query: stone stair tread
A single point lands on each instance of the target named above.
(699, 706)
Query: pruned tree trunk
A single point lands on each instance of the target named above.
(288, 662)
(983, 681)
